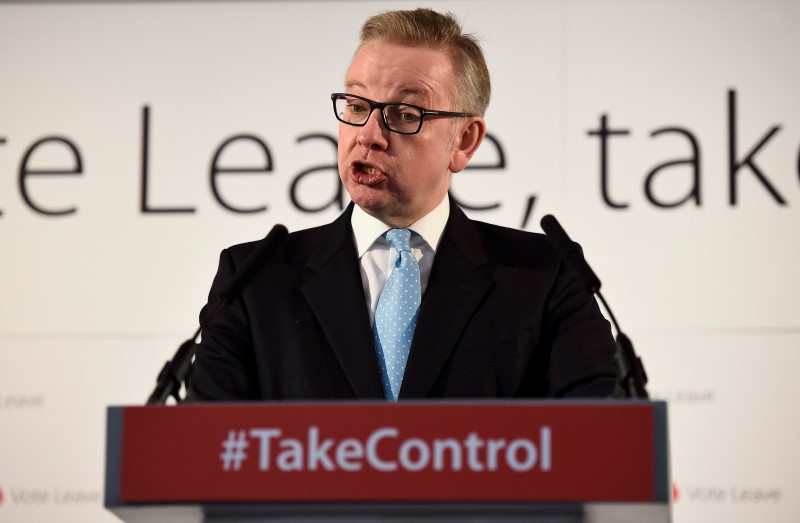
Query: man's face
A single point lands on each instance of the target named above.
(399, 178)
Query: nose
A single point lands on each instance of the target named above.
(374, 134)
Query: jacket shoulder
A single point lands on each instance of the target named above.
(507, 246)
(300, 244)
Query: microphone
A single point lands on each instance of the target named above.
(175, 371)
(248, 269)
(631, 377)
(568, 252)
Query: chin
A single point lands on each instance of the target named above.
(367, 198)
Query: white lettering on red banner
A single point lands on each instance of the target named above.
(385, 450)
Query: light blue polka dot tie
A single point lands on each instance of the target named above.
(396, 314)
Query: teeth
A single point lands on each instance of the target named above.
(366, 169)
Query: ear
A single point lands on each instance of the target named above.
(468, 138)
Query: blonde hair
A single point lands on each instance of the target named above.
(427, 28)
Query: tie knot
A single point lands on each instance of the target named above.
(399, 239)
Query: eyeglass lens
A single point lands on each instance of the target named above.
(401, 118)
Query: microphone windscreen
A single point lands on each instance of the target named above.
(570, 253)
(253, 263)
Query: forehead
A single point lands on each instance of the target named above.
(386, 71)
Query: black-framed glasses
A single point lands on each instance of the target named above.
(398, 117)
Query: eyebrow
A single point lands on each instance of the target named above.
(410, 91)
(348, 85)
(402, 93)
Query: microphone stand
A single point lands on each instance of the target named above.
(175, 371)
(631, 376)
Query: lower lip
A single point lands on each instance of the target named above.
(363, 178)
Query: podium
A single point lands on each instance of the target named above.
(587, 461)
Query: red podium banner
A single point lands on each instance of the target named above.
(370, 452)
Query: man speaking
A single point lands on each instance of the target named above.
(404, 297)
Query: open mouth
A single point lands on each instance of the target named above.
(367, 174)
(367, 169)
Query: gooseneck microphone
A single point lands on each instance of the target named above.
(631, 377)
(175, 371)
(249, 267)
(568, 252)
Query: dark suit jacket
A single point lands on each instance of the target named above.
(501, 317)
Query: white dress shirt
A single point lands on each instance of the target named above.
(374, 251)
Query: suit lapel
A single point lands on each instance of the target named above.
(335, 294)
(455, 288)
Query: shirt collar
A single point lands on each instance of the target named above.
(430, 227)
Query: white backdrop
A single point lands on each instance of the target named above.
(96, 298)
